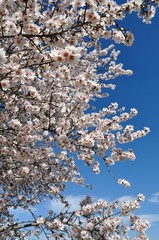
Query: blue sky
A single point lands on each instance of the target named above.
(141, 91)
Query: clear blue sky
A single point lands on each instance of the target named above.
(142, 92)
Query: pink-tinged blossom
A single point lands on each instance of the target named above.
(141, 197)
(24, 171)
(129, 38)
(118, 36)
(123, 182)
(106, 34)
(5, 84)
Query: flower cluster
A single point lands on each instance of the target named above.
(53, 65)
(99, 220)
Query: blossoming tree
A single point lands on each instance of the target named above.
(52, 64)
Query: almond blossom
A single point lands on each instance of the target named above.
(53, 68)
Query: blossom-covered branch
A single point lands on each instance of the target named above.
(53, 65)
